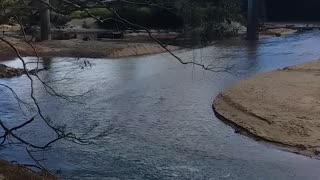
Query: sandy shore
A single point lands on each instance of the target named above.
(277, 32)
(79, 48)
(282, 107)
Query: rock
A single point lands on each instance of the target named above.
(6, 71)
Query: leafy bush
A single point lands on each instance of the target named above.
(101, 12)
(59, 19)
(77, 15)
(9, 8)
(164, 19)
(147, 17)
(98, 12)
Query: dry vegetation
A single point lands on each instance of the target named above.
(9, 171)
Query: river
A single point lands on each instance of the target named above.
(161, 114)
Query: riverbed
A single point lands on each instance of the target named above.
(161, 113)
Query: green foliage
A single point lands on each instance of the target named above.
(145, 11)
(6, 10)
(164, 14)
(23, 9)
(150, 17)
(204, 11)
(77, 15)
(137, 15)
(59, 19)
(98, 12)
(209, 15)
(101, 12)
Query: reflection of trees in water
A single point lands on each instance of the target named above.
(252, 47)
(46, 62)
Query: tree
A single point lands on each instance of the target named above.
(45, 20)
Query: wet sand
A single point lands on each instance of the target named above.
(79, 48)
(281, 107)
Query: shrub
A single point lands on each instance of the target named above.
(77, 15)
(98, 12)
(147, 17)
(101, 12)
(59, 19)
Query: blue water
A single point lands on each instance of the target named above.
(161, 114)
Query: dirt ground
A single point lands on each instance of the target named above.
(9, 171)
(79, 48)
(281, 107)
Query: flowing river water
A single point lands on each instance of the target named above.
(161, 114)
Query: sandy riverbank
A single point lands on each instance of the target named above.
(276, 32)
(79, 48)
(281, 107)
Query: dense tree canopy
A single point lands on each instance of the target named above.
(153, 14)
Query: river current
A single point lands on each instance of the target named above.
(160, 111)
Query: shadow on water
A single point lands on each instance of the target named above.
(46, 62)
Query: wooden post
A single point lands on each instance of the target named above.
(45, 20)
(252, 26)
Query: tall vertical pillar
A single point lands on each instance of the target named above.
(45, 24)
(252, 26)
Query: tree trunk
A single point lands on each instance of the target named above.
(45, 21)
(252, 27)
